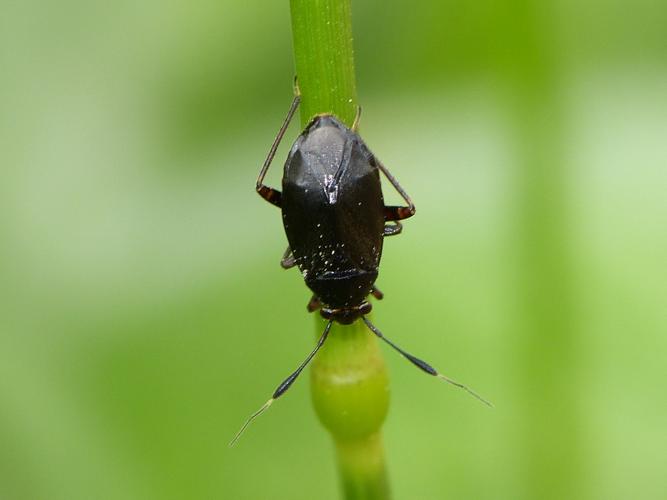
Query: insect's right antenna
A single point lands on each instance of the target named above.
(286, 384)
(423, 365)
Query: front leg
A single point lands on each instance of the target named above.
(271, 195)
(394, 213)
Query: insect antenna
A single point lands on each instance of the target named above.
(284, 385)
(423, 365)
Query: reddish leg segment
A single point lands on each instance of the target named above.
(268, 193)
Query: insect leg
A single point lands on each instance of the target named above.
(269, 194)
(284, 385)
(392, 229)
(314, 304)
(375, 292)
(287, 261)
(391, 212)
(423, 365)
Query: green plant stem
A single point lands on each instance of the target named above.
(322, 34)
(349, 381)
(362, 468)
(350, 393)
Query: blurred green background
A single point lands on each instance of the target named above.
(143, 313)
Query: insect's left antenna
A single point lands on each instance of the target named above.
(286, 384)
(423, 365)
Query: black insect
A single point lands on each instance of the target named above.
(335, 220)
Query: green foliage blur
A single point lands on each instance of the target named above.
(143, 314)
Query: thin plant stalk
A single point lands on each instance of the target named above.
(349, 381)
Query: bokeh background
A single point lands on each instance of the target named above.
(143, 313)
